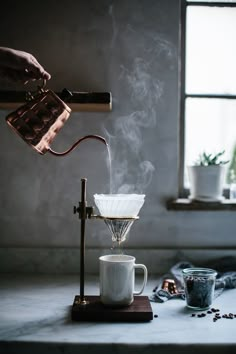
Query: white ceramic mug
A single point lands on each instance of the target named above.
(117, 279)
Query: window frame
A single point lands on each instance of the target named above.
(184, 192)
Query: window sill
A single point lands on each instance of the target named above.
(184, 204)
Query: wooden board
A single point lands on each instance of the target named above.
(139, 311)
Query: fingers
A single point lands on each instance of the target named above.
(21, 66)
(36, 70)
(21, 76)
(36, 73)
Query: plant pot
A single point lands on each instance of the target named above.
(206, 182)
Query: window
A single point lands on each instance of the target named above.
(208, 78)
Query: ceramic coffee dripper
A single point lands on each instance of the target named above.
(119, 211)
(40, 119)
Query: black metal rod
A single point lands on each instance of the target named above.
(208, 95)
(82, 237)
(82, 250)
(182, 65)
(211, 3)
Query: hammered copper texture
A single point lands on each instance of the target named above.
(39, 120)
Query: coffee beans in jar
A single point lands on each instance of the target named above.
(199, 285)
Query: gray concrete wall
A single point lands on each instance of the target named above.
(131, 49)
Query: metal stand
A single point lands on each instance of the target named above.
(84, 213)
(90, 308)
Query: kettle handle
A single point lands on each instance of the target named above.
(29, 96)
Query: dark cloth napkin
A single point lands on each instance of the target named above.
(226, 278)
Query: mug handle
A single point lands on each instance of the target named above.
(145, 273)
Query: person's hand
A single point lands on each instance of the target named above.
(19, 66)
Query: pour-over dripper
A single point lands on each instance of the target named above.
(119, 205)
(119, 212)
(119, 228)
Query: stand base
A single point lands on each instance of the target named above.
(139, 311)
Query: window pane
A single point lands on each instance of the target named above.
(211, 50)
(210, 127)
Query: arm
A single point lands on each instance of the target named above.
(19, 66)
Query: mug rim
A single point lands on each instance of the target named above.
(115, 258)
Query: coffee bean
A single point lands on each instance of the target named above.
(201, 315)
(217, 314)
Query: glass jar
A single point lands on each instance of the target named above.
(199, 286)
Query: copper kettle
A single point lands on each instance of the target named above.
(40, 119)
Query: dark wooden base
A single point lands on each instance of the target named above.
(139, 311)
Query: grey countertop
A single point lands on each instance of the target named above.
(35, 318)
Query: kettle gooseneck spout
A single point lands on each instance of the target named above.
(97, 137)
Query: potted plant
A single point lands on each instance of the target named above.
(207, 177)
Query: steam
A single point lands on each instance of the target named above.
(131, 172)
(114, 27)
(144, 178)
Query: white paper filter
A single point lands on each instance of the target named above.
(119, 205)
